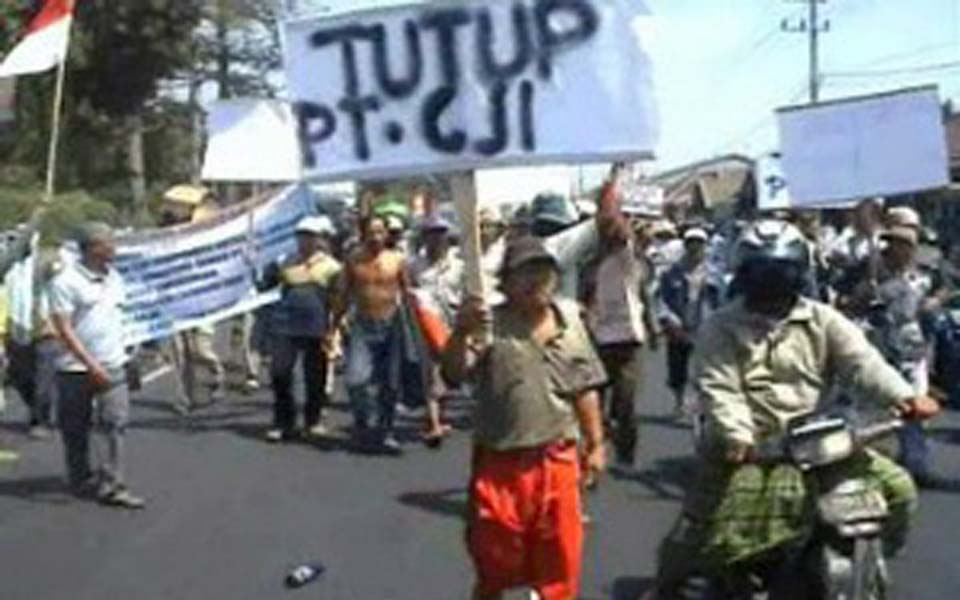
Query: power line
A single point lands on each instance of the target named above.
(769, 38)
(755, 127)
(898, 56)
(944, 66)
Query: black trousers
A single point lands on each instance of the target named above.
(678, 365)
(624, 366)
(31, 385)
(286, 351)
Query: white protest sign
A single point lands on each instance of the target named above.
(300, 9)
(773, 193)
(467, 84)
(864, 147)
(200, 274)
(251, 140)
(643, 199)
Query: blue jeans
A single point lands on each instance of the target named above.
(914, 449)
(374, 355)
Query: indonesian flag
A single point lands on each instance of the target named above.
(45, 43)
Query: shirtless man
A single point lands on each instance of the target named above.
(373, 283)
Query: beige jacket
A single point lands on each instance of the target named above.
(753, 375)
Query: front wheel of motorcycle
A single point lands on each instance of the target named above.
(869, 573)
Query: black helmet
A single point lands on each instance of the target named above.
(772, 258)
(551, 213)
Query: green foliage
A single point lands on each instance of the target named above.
(60, 219)
(124, 49)
(130, 58)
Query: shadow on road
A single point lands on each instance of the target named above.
(666, 479)
(947, 435)
(447, 503)
(630, 588)
(668, 421)
(41, 490)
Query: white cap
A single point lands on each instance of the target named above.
(316, 225)
(903, 216)
(695, 233)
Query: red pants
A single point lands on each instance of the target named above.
(525, 527)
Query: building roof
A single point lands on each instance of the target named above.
(715, 182)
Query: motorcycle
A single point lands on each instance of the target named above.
(842, 558)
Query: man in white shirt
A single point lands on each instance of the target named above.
(86, 306)
(437, 273)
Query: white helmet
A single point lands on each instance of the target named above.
(772, 257)
(772, 240)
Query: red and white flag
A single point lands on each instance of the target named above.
(45, 44)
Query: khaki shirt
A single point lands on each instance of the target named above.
(753, 375)
(525, 391)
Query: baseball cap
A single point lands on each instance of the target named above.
(904, 234)
(696, 234)
(316, 226)
(525, 250)
(903, 216)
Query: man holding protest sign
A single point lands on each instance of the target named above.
(535, 388)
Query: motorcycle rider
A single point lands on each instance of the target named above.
(770, 356)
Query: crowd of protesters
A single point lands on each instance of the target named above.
(552, 358)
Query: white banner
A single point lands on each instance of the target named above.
(251, 140)
(200, 274)
(469, 84)
(864, 147)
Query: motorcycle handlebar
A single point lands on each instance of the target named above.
(872, 433)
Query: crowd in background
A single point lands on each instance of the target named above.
(378, 302)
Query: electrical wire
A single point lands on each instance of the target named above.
(945, 66)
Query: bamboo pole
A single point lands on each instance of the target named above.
(55, 133)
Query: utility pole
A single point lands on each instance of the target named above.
(813, 27)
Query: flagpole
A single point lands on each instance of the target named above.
(55, 132)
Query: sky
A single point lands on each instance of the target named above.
(722, 67)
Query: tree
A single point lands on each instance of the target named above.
(236, 52)
(136, 78)
(128, 48)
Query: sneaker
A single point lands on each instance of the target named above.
(122, 498)
(251, 386)
(318, 431)
(8, 456)
(275, 436)
(40, 433)
(391, 445)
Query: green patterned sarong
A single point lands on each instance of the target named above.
(733, 514)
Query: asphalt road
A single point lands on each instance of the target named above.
(229, 514)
